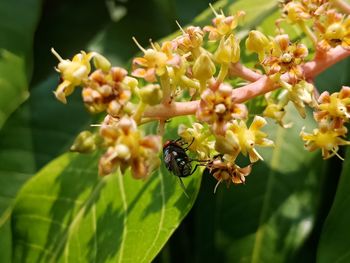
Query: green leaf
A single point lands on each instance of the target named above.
(334, 77)
(17, 26)
(67, 213)
(334, 245)
(30, 138)
(268, 218)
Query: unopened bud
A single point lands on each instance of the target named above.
(228, 51)
(85, 142)
(100, 62)
(130, 82)
(151, 94)
(256, 42)
(335, 31)
(203, 68)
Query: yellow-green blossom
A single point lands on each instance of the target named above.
(285, 57)
(155, 60)
(198, 138)
(127, 147)
(75, 72)
(336, 105)
(333, 31)
(223, 25)
(239, 138)
(228, 50)
(327, 137)
(300, 94)
(229, 172)
(217, 107)
(203, 68)
(257, 42)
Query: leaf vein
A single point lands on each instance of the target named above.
(162, 215)
(125, 219)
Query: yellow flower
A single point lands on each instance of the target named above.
(203, 68)
(302, 10)
(228, 172)
(216, 107)
(296, 11)
(85, 142)
(151, 94)
(257, 42)
(327, 137)
(285, 57)
(191, 39)
(154, 61)
(128, 148)
(223, 25)
(336, 105)
(275, 108)
(300, 94)
(106, 91)
(198, 138)
(228, 50)
(238, 138)
(333, 31)
(75, 72)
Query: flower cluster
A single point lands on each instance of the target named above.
(126, 147)
(196, 73)
(333, 111)
(331, 28)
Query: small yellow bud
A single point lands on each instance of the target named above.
(228, 51)
(85, 142)
(100, 62)
(296, 12)
(131, 82)
(257, 42)
(151, 94)
(335, 31)
(203, 68)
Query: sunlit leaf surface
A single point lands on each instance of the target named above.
(16, 39)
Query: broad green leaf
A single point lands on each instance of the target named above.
(334, 245)
(30, 138)
(18, 20)
(334, 77)
(42, 128)
(268, 218)
(67, 213)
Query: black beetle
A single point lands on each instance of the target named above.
(177, 161)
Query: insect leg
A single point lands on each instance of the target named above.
(189, 144)
(183, 187)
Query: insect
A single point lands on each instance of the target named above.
(177, 161)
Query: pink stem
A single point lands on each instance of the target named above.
(239, 70)
(315, 67)
(162, 111)
(342, 5)
(261, 86)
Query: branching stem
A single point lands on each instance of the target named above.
(261, 85)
